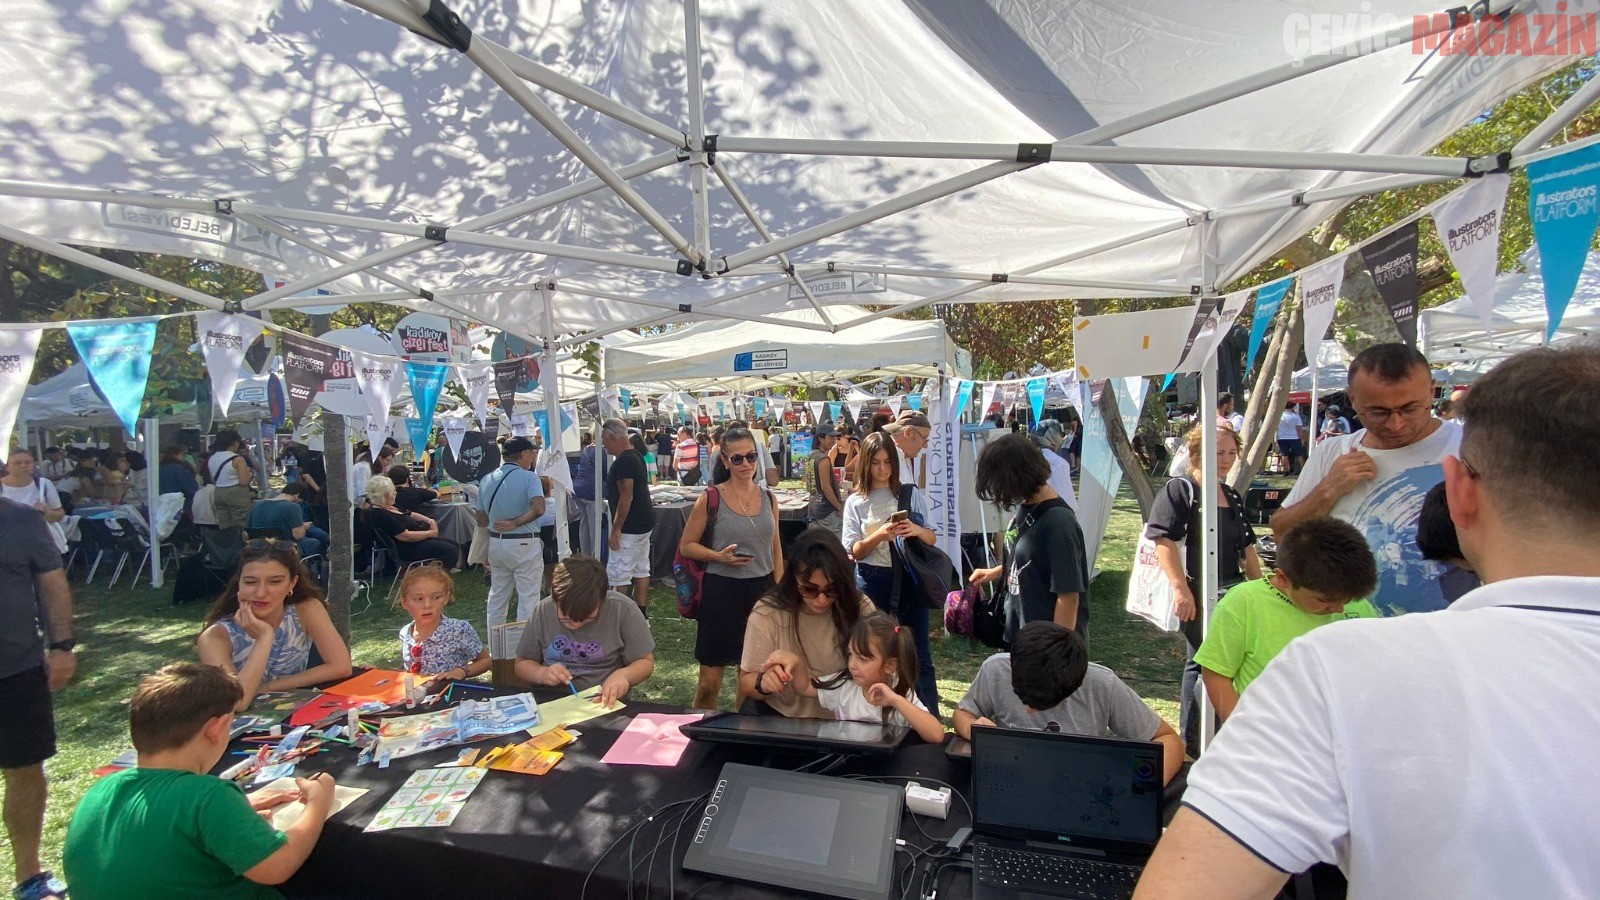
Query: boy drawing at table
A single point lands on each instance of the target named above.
(1046, 683)
(166, 828)
(585, 634)
(1324, 569)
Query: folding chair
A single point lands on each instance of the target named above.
(384, 547)
(315, 563)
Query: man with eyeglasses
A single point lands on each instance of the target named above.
(1377, 477)
(910, 432)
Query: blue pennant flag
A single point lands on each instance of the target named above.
(834, 408)
(118, 359)
(761, 407)
(1564, 203)
(427, 380)
(1268, 299)
(963, 396)
(680, 412)
(1167, 382)
(541, 418)
(914, 401)
(1036, 388)
(626, 396)
(419, 434)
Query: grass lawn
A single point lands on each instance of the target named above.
(126, 633)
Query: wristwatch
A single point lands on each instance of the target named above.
(64, 646)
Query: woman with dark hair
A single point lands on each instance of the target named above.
(1045, 563)
(812, 612)
(744, 569)
(265, 622)
(228, 471)
(874, 525)
(176, 475)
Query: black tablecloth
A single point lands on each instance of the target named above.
(539, 836)
(456, 522)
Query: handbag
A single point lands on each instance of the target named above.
(924, 565)
(1150, 594)
(689, 575)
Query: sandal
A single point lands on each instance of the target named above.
(42, 886)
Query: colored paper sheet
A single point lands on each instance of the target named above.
(285, 815)
(374, 684)
(321, 708)
(570, 710)
(651, 739)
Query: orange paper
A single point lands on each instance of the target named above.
(377, 685)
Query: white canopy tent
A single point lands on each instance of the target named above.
(670, 161)
(748, 356)
(1452, 333)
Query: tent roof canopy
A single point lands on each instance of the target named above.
(748, 356)
(1453, 333)
(889, 153)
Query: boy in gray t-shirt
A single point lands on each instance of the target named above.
(584, 635)
(1046, 683)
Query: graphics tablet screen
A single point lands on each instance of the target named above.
(781, 729)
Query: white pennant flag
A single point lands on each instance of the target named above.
(779, 405)
(224, 338)
(991, 395)
(1469, 222)
(477, 379)
(1319, 291)
(377, 433)
(816, 410)
(375, 376)
(1232, 305)
(896, 404)
(454, 431)
(18, 348)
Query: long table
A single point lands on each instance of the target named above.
(543, 836)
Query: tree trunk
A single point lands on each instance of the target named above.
(1261, 423)
(341, 543)
(1144, 490)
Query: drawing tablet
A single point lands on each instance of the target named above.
(819, 735)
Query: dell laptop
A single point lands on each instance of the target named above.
(1061, 815)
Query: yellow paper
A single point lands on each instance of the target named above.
(527, 760)
(550, 740)
(570, 710)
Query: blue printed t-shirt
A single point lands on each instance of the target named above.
(453, 644)
(162, 833)
(619, 637)
(291, 645)
(506, 493)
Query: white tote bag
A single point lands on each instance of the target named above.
(1150, 594)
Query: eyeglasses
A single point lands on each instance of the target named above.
(1472, 471)
(260, 545)
(1376, 414)
(738, 458)
(415, 666)
(812, 592)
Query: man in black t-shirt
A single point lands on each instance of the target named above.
(632, 515)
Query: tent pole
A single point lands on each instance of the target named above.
(754, 218)
(488, 220)
(152, 455)
(765, 320)
(551, 383)
(675, 315)
(1209, 484)
(600, 465)
(564, 251)
(1575, 106)
(1307, 198)
(696, 100)
(100, 264)
(1173, 289)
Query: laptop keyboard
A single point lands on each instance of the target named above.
(1048, 872)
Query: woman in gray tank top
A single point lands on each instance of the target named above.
(742, 555)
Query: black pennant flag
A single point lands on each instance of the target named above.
(1392, 263)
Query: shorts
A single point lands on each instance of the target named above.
(1293, 449)
(28, 736)
(631, 561)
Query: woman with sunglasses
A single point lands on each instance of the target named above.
(265, 622)
(743, 559)
(811, 614)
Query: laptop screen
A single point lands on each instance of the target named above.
(1066, 789)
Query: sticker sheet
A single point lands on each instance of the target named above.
(431, 798)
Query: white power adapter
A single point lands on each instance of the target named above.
(928, 801)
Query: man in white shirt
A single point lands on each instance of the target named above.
(1376, 478)
(910, 432)
(1048, 437)
(1292, 437)
(1434, 756)
(1227, 413)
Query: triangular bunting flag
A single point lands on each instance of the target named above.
(455, 429)
(1036, 389)
(1469, 222)
(307, 364)
(1268, 300)
(1392, 263)
(427, 380)
(1563, 203)
(223, 340)
(117, 356)
(477, 379)
(1319, 292)
(815, 408)
(18, 350)
(376, 377)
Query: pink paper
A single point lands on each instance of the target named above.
(651, 739)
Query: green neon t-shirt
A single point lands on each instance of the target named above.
(1253, 623)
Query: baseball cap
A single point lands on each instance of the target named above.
(908, 418)
(515, 446)
(825, 429)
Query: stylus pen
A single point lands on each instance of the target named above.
(474, 687)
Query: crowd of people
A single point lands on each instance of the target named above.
(1350, 687)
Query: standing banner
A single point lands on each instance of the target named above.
(18, 350)
(224, 338)
(1563, 204)
(1469, 222)
(1392, 263)
(307, 364)
(1319, 292)
(455, 429)
(1036, 388)
(477, 379)
(117, 356)
(815, 408)
(419, 435)
(508, 373)
(376, 376)
(427, 380)
(1268, 299)
(942, 464)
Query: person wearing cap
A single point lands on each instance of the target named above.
(510, 502)
(910, 431)
(822, 481)
(1049, 437)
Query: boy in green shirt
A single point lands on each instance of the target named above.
(166, 828)
(1324, 569)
